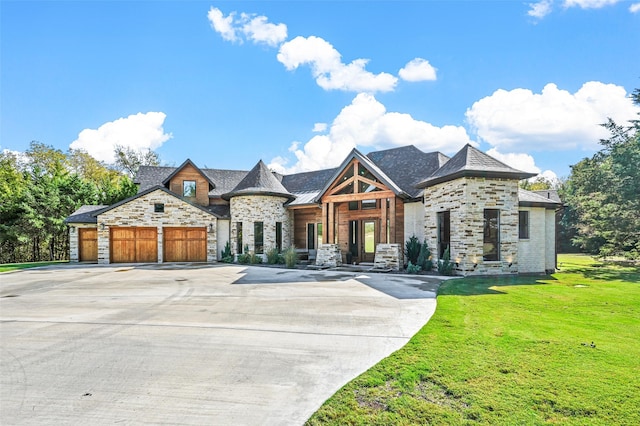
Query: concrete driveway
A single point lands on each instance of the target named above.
(194, 344)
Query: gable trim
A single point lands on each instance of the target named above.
(182, 166)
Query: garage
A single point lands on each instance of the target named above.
(133, 244)
(185, 244)
(88, 244)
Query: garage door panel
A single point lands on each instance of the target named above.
(88, 244)
(185, 244)
(132, 245)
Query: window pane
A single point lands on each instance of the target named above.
(491, 246)
(189, 188)
(258, 238)
(311, 239)
(239, 237)
(279, 236)
(353, 205)
(444, 232)
(369, 204)
(319, 228)
(369, 236)
(523, 225)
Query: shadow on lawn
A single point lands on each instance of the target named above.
(606, 273)
(474, 286)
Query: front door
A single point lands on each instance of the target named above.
(362, 240)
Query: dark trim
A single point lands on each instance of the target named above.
(182, 166)
(229, 195)
(475, 173)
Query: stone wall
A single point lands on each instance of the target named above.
(329, 255)
(267, 209)
(140, 212)
(388, 256)
(466, 198)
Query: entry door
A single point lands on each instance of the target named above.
(363, 240)
(88, 243)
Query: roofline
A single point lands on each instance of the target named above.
(549, 205)
(148, 191)
(475, 173)
(181, 166)
(375, 170)
(229, 195)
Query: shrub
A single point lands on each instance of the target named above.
(445, 266)
(290, 257)
(254, 258)
(412, 249)
(413, 269)
(424, 258)
(227, 257)
(272, 256)
(244, 258)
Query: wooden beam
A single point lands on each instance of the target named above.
(343, 198)
(370, 182)
(337, 188)
(392, 214)
(325, 228)
(355, 175)
(332, 227)
(383, 225)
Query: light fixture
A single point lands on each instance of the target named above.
(211, 227)
(102, 226)
(511, 263)
(475, 265)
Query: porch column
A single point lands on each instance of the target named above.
(383, 225)
(325, 228)
(331, 228)
(392, 225)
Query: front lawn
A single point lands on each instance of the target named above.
(5, 267)
(560, 349)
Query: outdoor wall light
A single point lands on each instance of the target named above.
(510, 263)
(211, 227)
(102, 226)
(475, 265)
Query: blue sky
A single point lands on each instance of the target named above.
(299, 84)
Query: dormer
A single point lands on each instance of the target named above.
(188, 181)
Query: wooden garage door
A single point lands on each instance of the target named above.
(133, 245)
(88, 244)
(185, 244)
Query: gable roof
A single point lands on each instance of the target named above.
(550, 194)
(84, 214)
(188, 162)
(470, 161)
(259, 181)
(408, 165)
(533, 199)
(369, 165)
(149, 190)
(224, 180)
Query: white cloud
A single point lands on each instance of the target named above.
(140, 131)
(319, 127)
(589, 4)
(418, 69)
(634, 8)
(553, 119)
(329, 70)
(365, 123)
(540, 9)
(247, 26)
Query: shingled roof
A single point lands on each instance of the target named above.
(534, 199)
(84, 214)
(307, 185)
(408, 165)
(188, 162)
(259, 181)
(224, 180)
(470, 161)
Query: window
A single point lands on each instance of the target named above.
(279, 236)
(369, 204)
(319, 228)
(523, 225)
(491, 246)
(311, 237)
(239, 237)
(444, 232)
(258, 237)
(188, 188)
(353, 205)
(158, 208)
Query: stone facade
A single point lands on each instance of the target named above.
(388, 256)
(329, 255)
(140, 212)
(466, 198)
(267, 209)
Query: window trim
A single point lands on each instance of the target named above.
(184, 187)
(527, 225)
(488, 239)
(258, 229)
(279, 236)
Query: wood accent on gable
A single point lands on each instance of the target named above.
(189, 172)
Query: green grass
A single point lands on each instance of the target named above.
(6, 267)
(513, 350)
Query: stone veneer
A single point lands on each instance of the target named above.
(140, 212)
(388, 256)
(329, 255)
(267, 209)
(466, 198)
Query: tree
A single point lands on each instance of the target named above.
(129, 160)
(602, 193)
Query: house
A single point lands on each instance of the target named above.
(363, 211)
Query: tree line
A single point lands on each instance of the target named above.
(43, 186)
